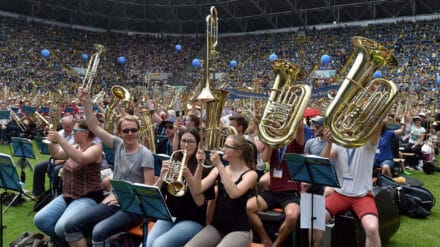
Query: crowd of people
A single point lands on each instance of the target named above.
(219, 205)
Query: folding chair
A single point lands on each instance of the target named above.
(9, 178)
(23, 148)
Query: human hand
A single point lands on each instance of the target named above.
(83, 94)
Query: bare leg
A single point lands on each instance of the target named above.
(370, 223)
(252, 209)
(291, 212)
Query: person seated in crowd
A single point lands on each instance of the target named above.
(81, 181)
(187, 206)
(165, 146)
(281, 191)
(192, 121)
(415, 141)
(133, 163)
(5, 120)
(354, 168)
(230, 226)
(52, 166)
(384, 157)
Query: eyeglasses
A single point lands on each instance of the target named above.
(132, 130)
(189, 142)
(169, 127)
(230, 147)
(77, 129)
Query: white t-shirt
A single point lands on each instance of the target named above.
(415, 133)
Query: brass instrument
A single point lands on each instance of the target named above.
(20, 122)
(99, 97)
(211, 43)
(92, 68)
(174, 176)
(119, 93)
(286, 105)
(361, 103)
(147, 130)
(55, 112)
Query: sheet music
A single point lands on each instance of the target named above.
(318, 211)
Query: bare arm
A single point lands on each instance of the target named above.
(328, 152)
(374, 139)
(92, 121)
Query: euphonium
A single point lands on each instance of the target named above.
(174, 176)
(286, 105)
(119, 93)
(361, 103)
(18, 120)
(147, 130)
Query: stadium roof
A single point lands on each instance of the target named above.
(235, 16)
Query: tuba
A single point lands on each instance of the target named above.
(174, 176)
(286, 105)
(361, 103)
(147, 130)
(119, 93)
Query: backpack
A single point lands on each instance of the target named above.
(414, 201)
(29, 239)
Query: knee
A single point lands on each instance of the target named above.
(291, 217)
(371, 228)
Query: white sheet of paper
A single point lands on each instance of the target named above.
(318, 211)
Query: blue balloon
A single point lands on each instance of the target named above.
(377, 74)
(438, 80)
(45, 53)
(121, 60)
(233, 63)
(178, 47)
(84, 56)
(196, 62)
(273, 56)
(325, 59)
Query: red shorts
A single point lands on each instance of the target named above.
(337, 203)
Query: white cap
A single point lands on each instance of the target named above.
(422, 114)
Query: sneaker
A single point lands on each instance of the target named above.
(406, 173)
(419, 168)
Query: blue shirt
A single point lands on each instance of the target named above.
(384, 151)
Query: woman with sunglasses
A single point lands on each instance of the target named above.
(235, 182)
(189, 209)
(81, 180)
(133, 163)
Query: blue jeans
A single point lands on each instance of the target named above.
(52, 218)
(100, 222)
(170, 234)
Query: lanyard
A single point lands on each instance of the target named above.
(350, 154)
(281, 153)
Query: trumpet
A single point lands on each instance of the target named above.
(92, 68)
(174, 176)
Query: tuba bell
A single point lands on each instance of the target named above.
(119, 93)
(147, 130)
(174, 176)
(361, 103)
(286, 105)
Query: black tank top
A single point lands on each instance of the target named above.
(230, 214)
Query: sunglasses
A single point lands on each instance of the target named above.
(78, 129)
(132, 130)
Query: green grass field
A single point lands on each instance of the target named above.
(412, 232)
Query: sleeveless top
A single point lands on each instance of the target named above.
(230, 214)
(81, 180)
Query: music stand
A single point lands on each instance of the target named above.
(23, 148)
(42, 147)
(314, 170)
(143, 200)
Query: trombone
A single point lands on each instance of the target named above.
(92, 68)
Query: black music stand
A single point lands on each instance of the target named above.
(314, 170)
(23, 148)
(143, 200)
